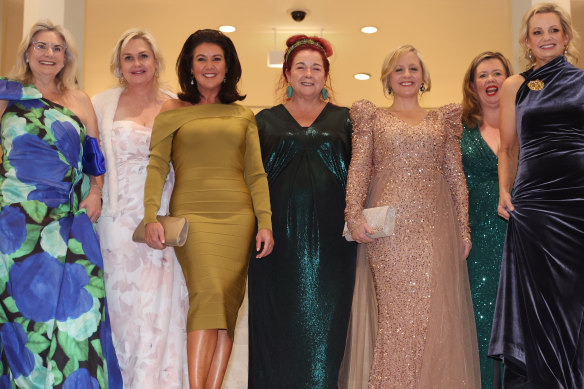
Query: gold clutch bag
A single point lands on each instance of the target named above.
(176, 230)
(380, 219)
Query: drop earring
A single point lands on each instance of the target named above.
(422, 88)
(289, 91)
(193, 81)
(566, 50)
(388, 91)
(324, 93)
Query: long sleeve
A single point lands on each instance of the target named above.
(256, 177)
(362, 115)
(157, 171)
(452, 167)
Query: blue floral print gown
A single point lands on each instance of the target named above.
(54, 329)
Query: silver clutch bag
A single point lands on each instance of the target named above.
(380, 219)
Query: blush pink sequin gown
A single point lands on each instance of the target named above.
(426, 335)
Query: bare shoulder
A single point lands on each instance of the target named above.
(512, 83)
(171, 104)
(3, 105)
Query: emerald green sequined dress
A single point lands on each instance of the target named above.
(487, 234)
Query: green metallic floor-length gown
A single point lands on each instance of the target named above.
(300, 296)
(487, 234)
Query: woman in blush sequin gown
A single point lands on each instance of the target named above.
(147, 295)
(409, 158)
(480, 145)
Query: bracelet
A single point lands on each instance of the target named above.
(95, 185)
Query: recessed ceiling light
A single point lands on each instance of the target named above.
(227, 28)
(362, 76)
(369, 30)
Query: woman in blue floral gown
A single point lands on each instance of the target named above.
(54, 329)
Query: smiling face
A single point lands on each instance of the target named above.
(209, 68)
(307, 74)
(488, 78)
(137, 62)
(407, 77)
(545, 37)
(46, 54)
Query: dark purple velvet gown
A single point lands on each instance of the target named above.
(538, 328)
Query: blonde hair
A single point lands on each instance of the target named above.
(67, 77)
(472, 114)
(390, 63)
(572, 53)
(127, 36)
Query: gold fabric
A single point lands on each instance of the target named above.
(221, 189)
(426, 336)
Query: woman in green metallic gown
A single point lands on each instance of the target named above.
(480, 146)
(300, 295)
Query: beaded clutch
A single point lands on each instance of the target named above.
(380, 219)
(175, 230)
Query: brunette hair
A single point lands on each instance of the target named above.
(472, 114)
(184, 65)
(67, 77)
(572, 53)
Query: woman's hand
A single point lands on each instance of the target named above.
(505, 206)
(266, 239)
(154, 236)
(92, 204)
(360, 232)
(467, 246)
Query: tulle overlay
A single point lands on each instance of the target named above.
(426, 336)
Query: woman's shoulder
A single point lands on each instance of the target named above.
(362, 111)
(15, 90)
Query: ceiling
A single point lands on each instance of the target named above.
(448, 33)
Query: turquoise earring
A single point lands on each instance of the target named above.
(324, 94)
(289, 91)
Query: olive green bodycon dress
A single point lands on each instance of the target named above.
(221, 189)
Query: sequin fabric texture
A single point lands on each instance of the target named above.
(488, 235)
(425, 334)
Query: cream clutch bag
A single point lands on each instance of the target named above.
(176, 230)
(380, 219)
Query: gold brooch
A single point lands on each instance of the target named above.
(535, 85)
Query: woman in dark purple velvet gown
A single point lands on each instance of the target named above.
(538, 329)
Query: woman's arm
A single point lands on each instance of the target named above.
(509, 150)
(256, 180)
(360, 169)
(92, 202)
(453, 171)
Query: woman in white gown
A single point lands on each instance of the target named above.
(146, 292)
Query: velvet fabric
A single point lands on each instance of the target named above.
(538, 323)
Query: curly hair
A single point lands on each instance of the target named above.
(184, 65)
(472, 114)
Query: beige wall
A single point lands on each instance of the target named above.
(12, 16)
(448, 33)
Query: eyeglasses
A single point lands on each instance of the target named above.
(43, 47)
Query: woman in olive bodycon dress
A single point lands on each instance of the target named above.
(221, 189)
